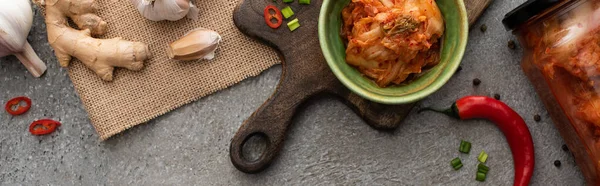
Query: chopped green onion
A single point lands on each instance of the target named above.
(288, 1)
(456, 163)
(480, 176)
(458, 167)
(306, 2)
(465, 147)
(293, 24)
(482, 168)
(482, 157)
(287, 12)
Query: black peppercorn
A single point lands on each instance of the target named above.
(557, 163)
(511, 44)
(497, 96)
(483, 28)
(565, 148)
(537, 118)
(459, 69)
(476, 82)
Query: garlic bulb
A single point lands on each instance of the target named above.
(199, 43)
(172, 10)
(16, 18)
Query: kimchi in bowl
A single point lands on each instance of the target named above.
(452, 47)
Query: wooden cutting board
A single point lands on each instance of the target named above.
(305, 74)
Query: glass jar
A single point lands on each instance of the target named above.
(561, 42)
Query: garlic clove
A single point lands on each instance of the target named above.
(197, 44)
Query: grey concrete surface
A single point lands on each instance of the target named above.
(327, 144)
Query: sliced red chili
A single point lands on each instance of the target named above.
(277, 16)
(17, 102)
(43, 127)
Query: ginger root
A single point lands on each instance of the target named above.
(99, 55)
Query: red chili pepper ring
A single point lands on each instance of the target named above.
(17, 102)
(277, 16)
(43, 127)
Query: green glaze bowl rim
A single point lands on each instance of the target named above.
(442, 77)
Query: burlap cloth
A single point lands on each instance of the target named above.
(164, 85)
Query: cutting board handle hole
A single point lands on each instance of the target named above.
(254, 146)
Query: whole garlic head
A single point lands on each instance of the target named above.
(172, 10)
(16, 18)
(14, 27)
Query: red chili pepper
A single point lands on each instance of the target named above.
(277, 16)
(16, 102)
(510, 123)
(43, 127)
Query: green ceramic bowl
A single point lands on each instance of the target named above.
(453, 48)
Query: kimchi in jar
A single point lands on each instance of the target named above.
(561, 42)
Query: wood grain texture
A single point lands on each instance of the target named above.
(475, 8)
(305, 74)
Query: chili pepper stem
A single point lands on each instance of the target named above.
(452, 111)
